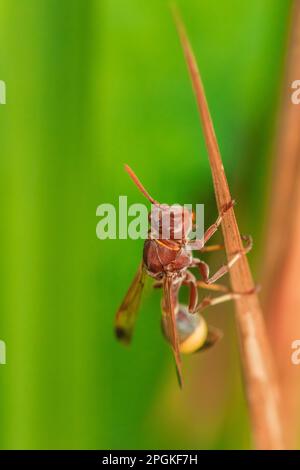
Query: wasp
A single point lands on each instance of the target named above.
(168, 259)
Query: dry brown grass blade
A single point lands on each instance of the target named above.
(281, 268)
(287, 162)
(258, 369)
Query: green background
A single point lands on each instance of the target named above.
(92, 84)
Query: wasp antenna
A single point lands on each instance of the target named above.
(139, 184)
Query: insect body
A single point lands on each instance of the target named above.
(168, 257)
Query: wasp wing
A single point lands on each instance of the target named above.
(127, 313)
(169, 320)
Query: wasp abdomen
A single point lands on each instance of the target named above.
(192, 330)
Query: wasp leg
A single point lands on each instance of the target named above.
(213, 287)
(204, 268)
(222, 288)
(199, 244)
(210, 248)
(190, 281)
(209, 301)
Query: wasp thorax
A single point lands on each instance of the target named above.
(170, 222)
(192, 330)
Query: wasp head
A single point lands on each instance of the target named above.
(167, 222)
(170, 222)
